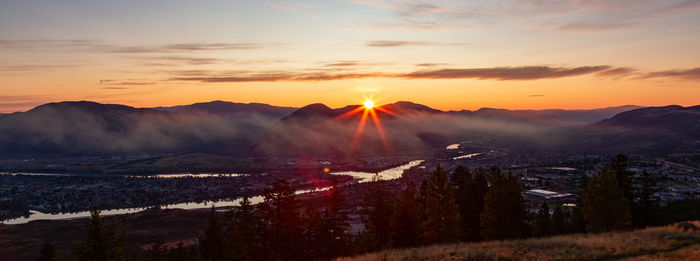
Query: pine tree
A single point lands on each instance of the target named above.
(376, 213)
(47, 253)
(335, 223)
(243, 232)
(559, 225)
(470, 200)
(543, 220)
(280, 213)
(504, 213)
(442, 216)
(100, 242)
(213, 243)
(645, 203)
(312, 235)
(405, 221)
(605, 207)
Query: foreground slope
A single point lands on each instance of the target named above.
(673, 242)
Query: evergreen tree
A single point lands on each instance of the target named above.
(376, 213)
(645, 203)
(335, 223)
(243, 232)
(47, 253)
(559, 225)
(577, 223)
(280, 213)
(100, 242)
(405, 221)
(312, 235)
(605, 207)
(543, 220)
(504, 213)
(213, 243)
(470, 200)
(442, 216)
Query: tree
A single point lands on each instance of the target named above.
(645, 203)
(442, 216)
(213, 243)
(504, 213)
(100, 242)
(335, 223)
(47, 253)
(405, 221)
(280, 214)
(605, 207)
(543, 220)
(469, 196)
(243, 231)
(559, 225)
(376, 214)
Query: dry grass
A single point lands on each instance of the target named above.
(666, 243)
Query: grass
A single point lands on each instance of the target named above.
(672, 242)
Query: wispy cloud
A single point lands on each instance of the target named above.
(102, 47)
(562, 15)
(494, 73)
(686, 74)
(507, 73)
(396, 43)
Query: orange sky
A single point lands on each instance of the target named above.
(449, 55)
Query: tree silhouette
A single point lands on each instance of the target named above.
(335, 223)
(280, 214)
(405, 221)
(605, 207)
(376, 214)
(559, 225)
(100, 242)
(543, 220)
(442, 216)
(213, 242)
(469, 196)
(503, 215)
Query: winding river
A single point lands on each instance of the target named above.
(388, 174)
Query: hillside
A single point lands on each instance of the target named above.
(673, 242)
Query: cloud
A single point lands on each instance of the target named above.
(591, 27)
(617, 72)
(494, 73)
(430, 64)
(536, 95)
(101, 47)
(12, 103)
(396, 43)
(561, 15)
(178, 60)
(687, 74)
(507, 73)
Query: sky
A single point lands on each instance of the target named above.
(449, 55)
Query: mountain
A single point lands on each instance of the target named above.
(585, 116)
(89, 128)
(650, 130)
(231, 108)
(672, 119)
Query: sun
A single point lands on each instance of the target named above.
(369, 104)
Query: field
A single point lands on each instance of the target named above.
(673, 242)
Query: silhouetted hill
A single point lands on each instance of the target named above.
(229, 108)
(585, 116)
(673, 119)
(88, 128)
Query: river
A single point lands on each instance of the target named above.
(388, 174)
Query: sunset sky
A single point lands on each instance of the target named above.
(450, 55)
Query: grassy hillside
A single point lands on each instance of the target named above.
(673, 242)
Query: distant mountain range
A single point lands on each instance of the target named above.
(88, 128)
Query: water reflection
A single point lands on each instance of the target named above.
(392, 173)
